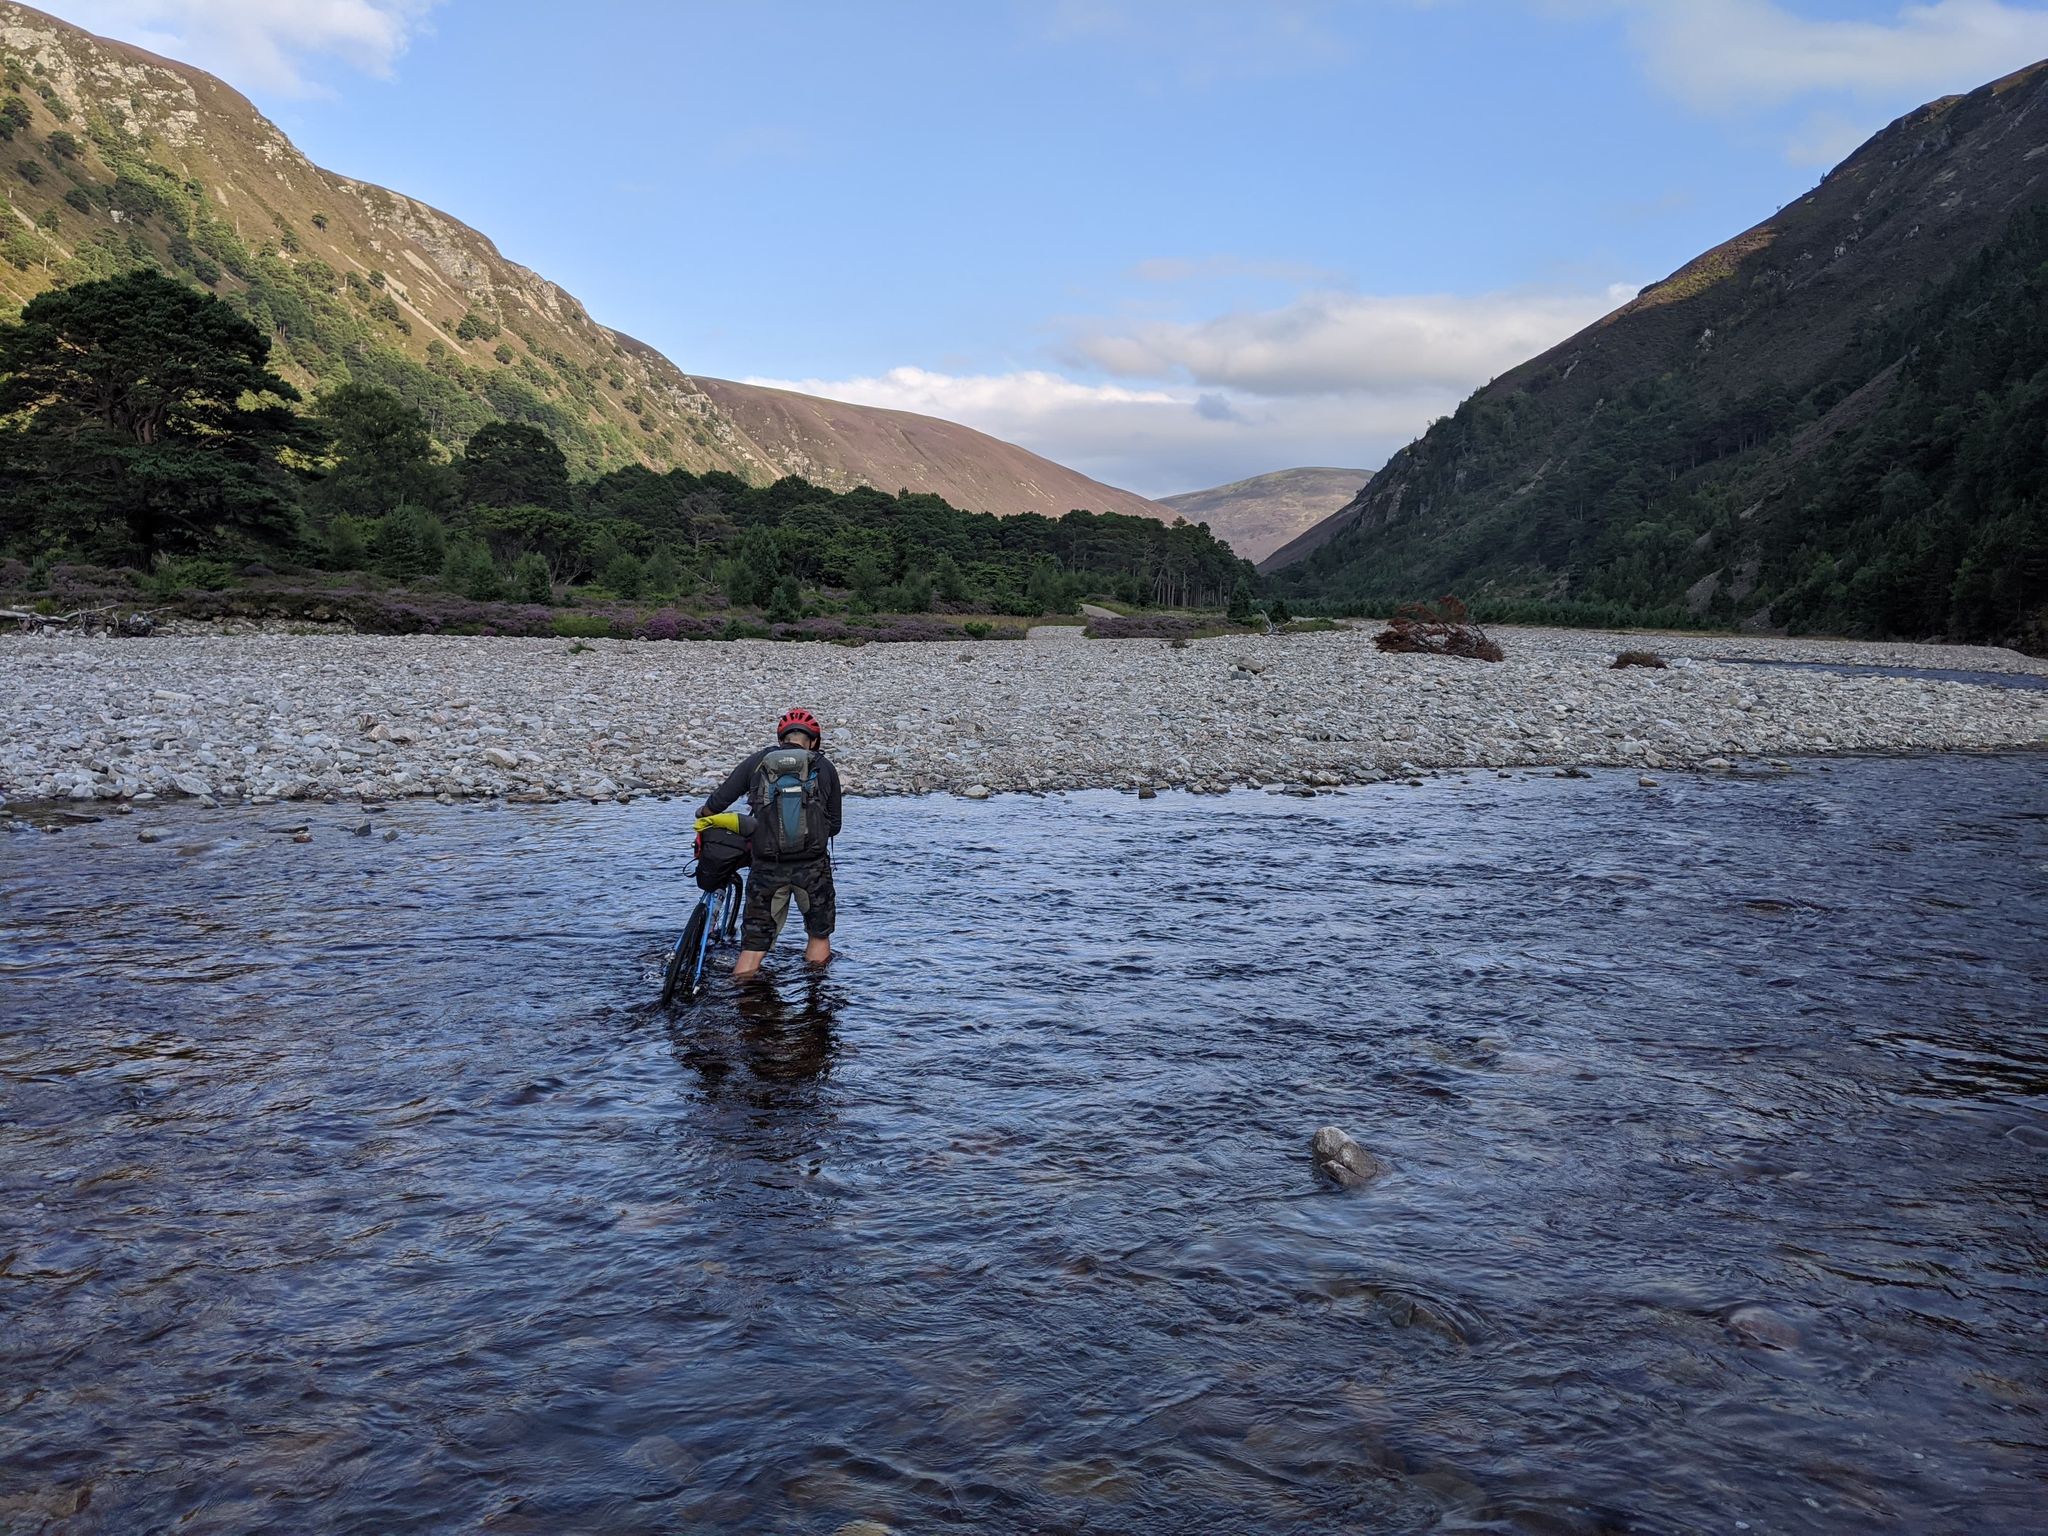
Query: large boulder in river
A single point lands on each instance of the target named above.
(1341, 1160)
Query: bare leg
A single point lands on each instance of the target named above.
(817, 951)
(749, 963)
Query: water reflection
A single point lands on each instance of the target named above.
(756, 1028)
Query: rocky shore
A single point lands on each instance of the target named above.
(328, 716)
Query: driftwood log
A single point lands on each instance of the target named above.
(133, 623)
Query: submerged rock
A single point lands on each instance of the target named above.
(1341, 1160)
(1754, 1323)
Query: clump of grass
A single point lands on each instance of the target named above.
(1639, 659)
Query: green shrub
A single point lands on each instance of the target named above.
(913, 594)
(408, 541)
(169, 577)
(785, 603)
(744, 629)
(32, 172)
(24, 248)
(532, 581)
(581, 626)
(624, 575)
(1241, 610)
(63, 144)
(978, 629)
(1277, 611)
(470, 570)
(664, 575)
(502, 353)
(346, 549)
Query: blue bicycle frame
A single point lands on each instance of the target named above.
(716, 920)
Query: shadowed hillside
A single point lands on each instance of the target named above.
(1835, 420)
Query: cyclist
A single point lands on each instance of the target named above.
(792, 789)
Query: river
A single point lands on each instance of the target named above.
(360, 1185)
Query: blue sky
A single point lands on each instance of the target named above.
(1170, 242)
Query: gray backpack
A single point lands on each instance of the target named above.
(788, 803)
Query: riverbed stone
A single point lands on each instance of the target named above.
(1341, 1160)
(318, 716)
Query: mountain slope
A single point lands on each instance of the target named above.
(808, 436)
(1729, 443)
(1256, 516)
(114, 158)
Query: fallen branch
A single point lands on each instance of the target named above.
(1440, 630)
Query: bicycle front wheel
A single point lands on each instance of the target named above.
(685, 961)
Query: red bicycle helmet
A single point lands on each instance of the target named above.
(799, 720)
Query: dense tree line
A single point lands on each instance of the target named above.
(140, 423)
(1918, 508)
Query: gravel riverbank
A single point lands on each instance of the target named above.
(295, 716)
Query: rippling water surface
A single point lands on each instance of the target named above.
(359, 1185)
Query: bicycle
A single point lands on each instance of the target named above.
(721, 872)
(714, 921)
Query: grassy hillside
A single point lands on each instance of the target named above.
(112, 159)
(1834, 421)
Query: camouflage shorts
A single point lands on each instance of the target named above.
(770, 890)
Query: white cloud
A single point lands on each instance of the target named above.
(1328, 379)
(1721, 55)
(1155, 441)
(260, 45)
(1346, 342)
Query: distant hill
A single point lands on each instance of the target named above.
(1256, 516)
(114, 158)
(1836, 420)
(819, 439)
